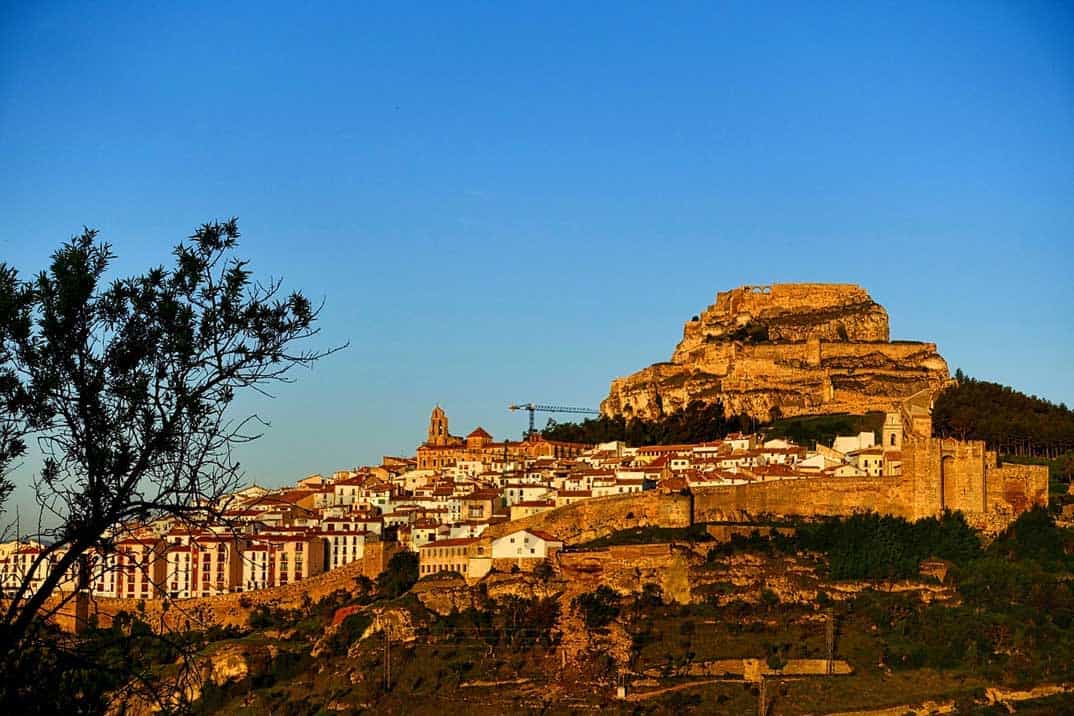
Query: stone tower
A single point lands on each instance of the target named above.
(892, 435)
(438, 428)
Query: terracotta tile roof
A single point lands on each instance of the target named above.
(665, 448)
(673, 483)
(774, 470)
(482, 495)
(544, 535)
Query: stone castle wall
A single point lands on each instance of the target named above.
(792, 295)
(1014, 488)
(792, 312)
(963, 475)
(590, 519)
(938, 474)
(807, 497)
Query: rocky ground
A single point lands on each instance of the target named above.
(691, 633)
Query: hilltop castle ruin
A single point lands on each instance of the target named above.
(784, 350)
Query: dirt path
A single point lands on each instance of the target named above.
(642, 695)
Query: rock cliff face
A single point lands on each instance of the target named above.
(791, 349)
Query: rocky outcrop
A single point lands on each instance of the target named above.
(786, 349)
(228, 663)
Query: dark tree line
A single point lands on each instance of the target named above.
(868, 545)
(696, 423)
(1010, 421)
(700, 422)
(809, 430)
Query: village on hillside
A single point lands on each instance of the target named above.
(439, 503)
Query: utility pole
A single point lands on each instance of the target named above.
(830, 629)
(387, 659)
(762, 700)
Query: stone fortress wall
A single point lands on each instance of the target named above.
(950, 474)
(794, 312)
(813, 497)
(589, 519)
(937, 474)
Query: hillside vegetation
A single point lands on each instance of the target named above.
(1010, 421)
(701, 422)
(1011, 626)
(1022, 428)
(698, 422)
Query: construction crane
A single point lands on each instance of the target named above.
(534, 408)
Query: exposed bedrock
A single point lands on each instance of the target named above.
(787, 349)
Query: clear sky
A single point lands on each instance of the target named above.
(507, 202)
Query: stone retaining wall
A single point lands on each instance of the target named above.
(589, 519)
(807, 497)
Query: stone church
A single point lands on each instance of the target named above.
(441, 449)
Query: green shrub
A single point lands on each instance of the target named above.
(349, 631)
(599, 607)
(399, 576)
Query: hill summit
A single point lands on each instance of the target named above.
(783, 350)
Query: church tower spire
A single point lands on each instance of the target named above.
(438, 428)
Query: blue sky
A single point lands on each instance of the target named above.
(507, 202)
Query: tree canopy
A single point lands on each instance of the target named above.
(1010, 421)
(125, 385)
(697, 422)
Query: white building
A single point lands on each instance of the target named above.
(847, 444)
(520, 492)
(344, 545)
(526, 544)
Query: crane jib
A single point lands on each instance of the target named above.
(532, 408)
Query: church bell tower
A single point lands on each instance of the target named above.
(438, 427)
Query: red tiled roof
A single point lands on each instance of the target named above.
(544, 535)
(481, 495)
(664, 448)
(673, 483)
